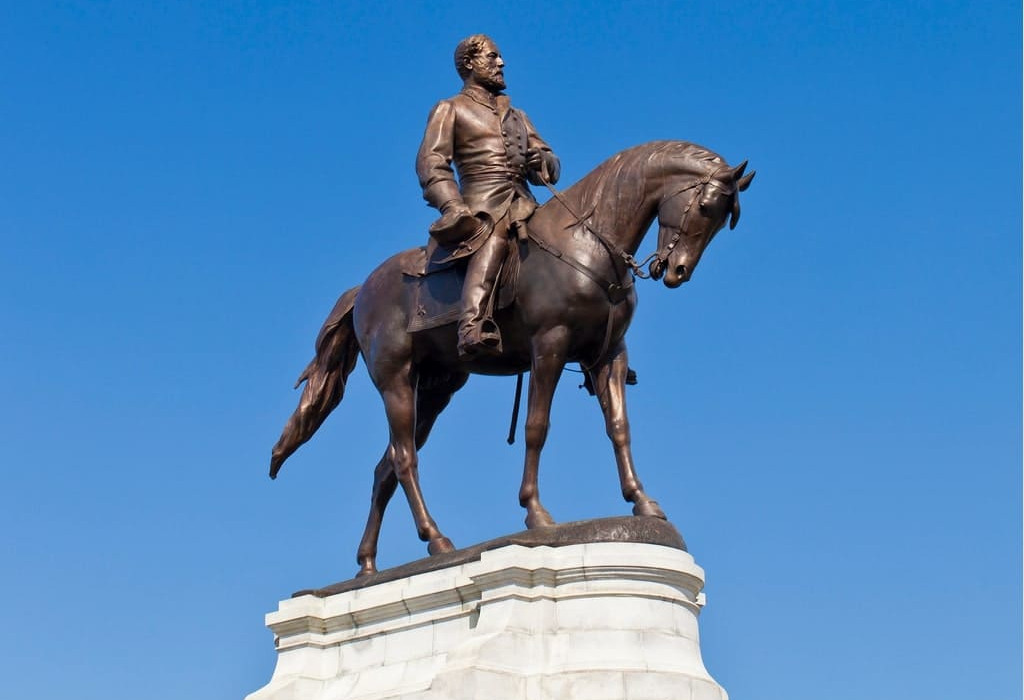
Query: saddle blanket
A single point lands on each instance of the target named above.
(437, 293)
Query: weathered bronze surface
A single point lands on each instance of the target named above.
(623, 529)
(575, 296)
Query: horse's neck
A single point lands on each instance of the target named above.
(621, 199)
(623, 223)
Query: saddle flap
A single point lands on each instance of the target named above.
(437, 297)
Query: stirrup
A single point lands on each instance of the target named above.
(481, 338)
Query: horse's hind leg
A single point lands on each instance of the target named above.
(399, 396)
(429, 405)
(610, 386)
(384, 484)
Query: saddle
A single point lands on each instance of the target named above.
(438, 279)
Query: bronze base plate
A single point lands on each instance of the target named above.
(641, 529)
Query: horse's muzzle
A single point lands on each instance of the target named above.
(676, 276)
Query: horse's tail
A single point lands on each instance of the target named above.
(336, 354)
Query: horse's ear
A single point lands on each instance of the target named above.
(735, 218)
(737, 172)
(744, 182)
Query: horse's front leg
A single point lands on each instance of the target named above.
(549, 351)
(609, 378)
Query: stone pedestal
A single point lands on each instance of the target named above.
(594, 621)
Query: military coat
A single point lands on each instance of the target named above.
(487, 140)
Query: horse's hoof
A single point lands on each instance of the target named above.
(541, 518)
(367, 569)
(649, 508)
(440, 545)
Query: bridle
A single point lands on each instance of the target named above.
(656, 259)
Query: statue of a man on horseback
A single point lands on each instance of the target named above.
(572, 300)
(495, 150)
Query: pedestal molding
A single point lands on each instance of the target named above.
(518, 623)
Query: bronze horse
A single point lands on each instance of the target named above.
(575, 299)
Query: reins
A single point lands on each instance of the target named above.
(613, 250)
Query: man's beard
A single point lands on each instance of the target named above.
(494, 83)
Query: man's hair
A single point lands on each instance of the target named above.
(467, 50)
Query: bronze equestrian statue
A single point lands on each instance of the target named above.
(574, 300)
(496, 150)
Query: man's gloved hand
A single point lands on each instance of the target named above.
(456, 225)
(534, 159)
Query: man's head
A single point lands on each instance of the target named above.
(479, 62)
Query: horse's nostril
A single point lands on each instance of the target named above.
(681, 272)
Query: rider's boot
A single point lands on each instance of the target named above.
(478, 333)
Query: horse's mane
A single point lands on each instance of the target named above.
(623, 177)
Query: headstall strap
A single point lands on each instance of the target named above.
(661, 255)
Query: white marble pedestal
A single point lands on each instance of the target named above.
(596, 621)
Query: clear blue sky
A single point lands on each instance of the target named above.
(830, 412)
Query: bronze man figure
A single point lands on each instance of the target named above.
(495, 150)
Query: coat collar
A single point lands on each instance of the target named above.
(484, 97)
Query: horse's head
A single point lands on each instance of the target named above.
(689, 218)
